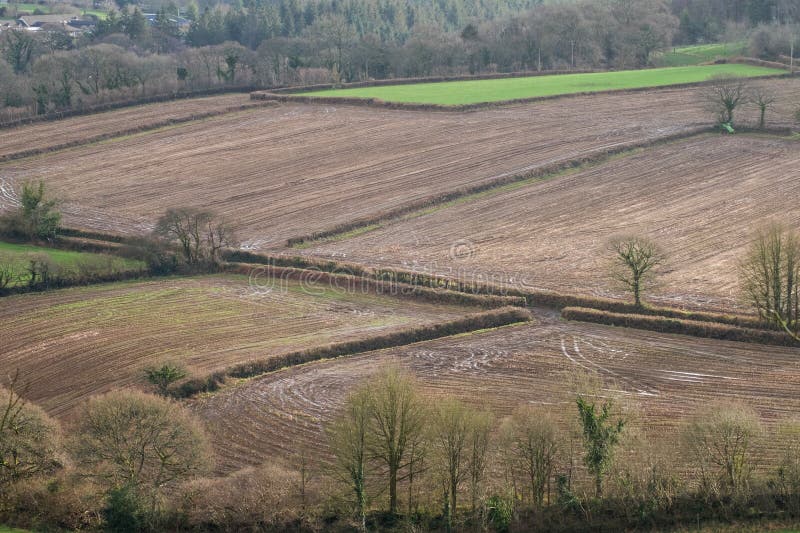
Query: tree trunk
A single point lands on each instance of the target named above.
(393, 490)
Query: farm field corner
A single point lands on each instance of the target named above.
(70, 344)
(496, 90)
(68, 262)
(666, 376)
(698, 198)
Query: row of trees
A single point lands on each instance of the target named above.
(132, 461)
(288, 43)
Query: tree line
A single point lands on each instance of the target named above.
(397, 457)
(289, 42)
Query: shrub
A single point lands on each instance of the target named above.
(36, 217)
(722, 441)
(132, 439)
(500, 512)
(64, 502)
(123, 511)
(29, 439)
(268, 495)
(163, 376)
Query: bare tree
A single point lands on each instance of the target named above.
(135, 440)
(531, 442)
(770, 276)
(398, 417)
(28, 437)
(725, 96)
(450, 430)
(478, 447)
(764, 99)
(636, 260)
(199, 233)
(348, 435)
(721, 439)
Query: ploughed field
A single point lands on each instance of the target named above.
(700, 199)
(666, 377)
(42, 135)
(72, 343)
(296, 169)
(495, 90)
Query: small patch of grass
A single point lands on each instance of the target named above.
(6, 529)
(18, 257)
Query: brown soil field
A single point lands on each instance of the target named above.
(665, 376)
(334, 164)
(43, 135)
(69, 344)
(699, 199)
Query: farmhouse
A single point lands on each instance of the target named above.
(70, 23)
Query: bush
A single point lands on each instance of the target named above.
(500, 512)
(64, 502)
(29, 439)
(132, 439)
(35, 218)
(269, 495)
(123, 511)
(722, 441)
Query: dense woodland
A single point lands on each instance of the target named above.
(258, 43)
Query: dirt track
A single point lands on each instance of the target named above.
(668, 376)
(699, 199)
(297, 169)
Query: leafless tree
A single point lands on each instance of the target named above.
(764, 99)
(349, 434)
(398, 417)
(478, 449)
(28, 437)
(135, 440)
(770, 276)
(450, 431)
(530, 441)
(722, 439)
(636, 260)
(199, 233)
(725, 96)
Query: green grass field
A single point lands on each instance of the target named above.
(701, 53)
(6, 529)
(477, 91)
(18, 257)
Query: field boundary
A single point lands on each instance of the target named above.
(532, 297)
(662, 324)
(461, 108)
(111, 106)
(541, 172)
(132, 131)
(504, 316)
(352, 283)
(427, 79)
